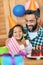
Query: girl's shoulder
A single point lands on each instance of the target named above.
(7, 40)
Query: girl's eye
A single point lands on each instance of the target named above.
(17, 31)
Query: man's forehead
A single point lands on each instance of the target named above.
(29, 16)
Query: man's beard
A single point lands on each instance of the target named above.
(33, 27)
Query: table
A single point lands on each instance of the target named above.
(33, 61)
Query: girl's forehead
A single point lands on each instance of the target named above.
(18, 28)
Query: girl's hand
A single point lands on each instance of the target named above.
(22, 53)
(24, 42)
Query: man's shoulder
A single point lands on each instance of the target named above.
(41, 29)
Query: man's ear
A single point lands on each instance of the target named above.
(39, 21)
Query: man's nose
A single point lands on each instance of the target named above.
(29, 23)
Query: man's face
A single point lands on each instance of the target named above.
(31, 22)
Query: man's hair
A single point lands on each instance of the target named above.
(36, 13)
(11, 30)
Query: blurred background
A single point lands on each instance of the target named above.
(6, 7)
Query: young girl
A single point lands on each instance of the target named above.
(16, 43)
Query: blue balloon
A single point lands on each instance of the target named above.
(19, 10)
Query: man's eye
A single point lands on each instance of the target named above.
(32, 21)
(26, 20)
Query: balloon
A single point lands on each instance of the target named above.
(27, 5)
(19, 10)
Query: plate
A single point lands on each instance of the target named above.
(34, 57)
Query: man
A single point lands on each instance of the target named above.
(33, 30)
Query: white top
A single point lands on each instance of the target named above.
(22, 47)
(32, 35)
(28, 49)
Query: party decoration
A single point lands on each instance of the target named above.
(27, 5)
(0, 60)
(19, 10)
(7, 60)
(3, 50)
(12, 22)
(31, 5)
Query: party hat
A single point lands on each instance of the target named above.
(12, 22)
(32, 5)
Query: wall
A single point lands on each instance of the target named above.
(4, 12)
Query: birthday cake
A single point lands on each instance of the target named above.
(37, 52)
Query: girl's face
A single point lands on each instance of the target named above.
(17, 33)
